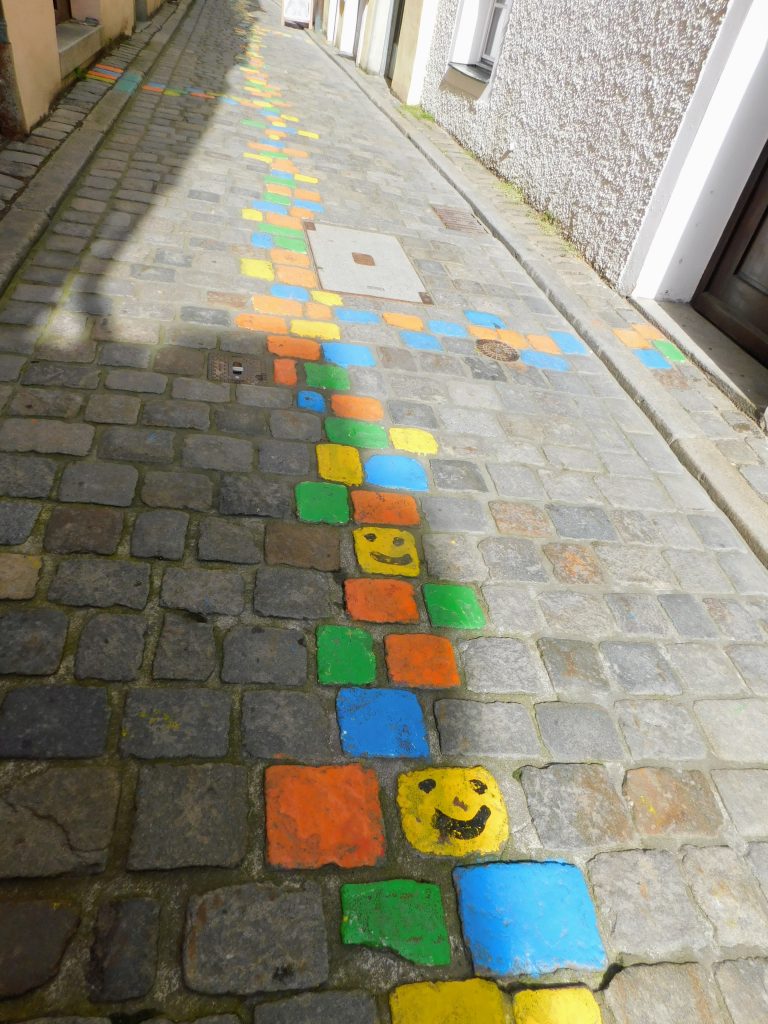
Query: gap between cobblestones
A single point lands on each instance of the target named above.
(724, 484)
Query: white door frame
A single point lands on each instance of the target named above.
(716, 148)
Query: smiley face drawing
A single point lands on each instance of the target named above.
(386, 551)
(452, 811)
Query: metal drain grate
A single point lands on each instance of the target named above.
(456, 219)
(234, 369)
(498, 350)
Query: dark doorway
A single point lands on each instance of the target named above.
(733, 293)
(394, 39)
(62, 11)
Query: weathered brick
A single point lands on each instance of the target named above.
(159, 534)
(189, 816)
(255, 654)
(205, 591)
(100, 582)
(98, 483)
(83, 531)
(111, 647)
(46, 437)
(186, 650)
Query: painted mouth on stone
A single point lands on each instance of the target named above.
(456, 828)
(391, 559)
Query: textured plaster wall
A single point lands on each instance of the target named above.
(586, 99)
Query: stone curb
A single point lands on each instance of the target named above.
(724, 484)
(30, 214)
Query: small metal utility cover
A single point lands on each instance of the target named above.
(364, 263)
(231, 368)
(456, 219)
(498, 350)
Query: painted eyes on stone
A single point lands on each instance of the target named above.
(477, 785)
(396, 543)
(427, 785)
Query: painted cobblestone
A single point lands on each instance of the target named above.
(233, 606)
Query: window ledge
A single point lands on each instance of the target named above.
(478, 72)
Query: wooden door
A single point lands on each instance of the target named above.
(733, 293)
(62, 11)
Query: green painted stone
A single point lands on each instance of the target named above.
(273, 197)
(453, 606)
(402, 915)
(333, 378)
(356, 432)
(251, 123)
(322, 502)
(290, 244)
(345, 656)
(278, 232)
(273, 179)
(670, 350)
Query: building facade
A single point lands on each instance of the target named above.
(641, 127)
(44, 42)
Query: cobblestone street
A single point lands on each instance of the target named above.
(366, 654)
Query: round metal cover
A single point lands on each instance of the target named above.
(498, 350)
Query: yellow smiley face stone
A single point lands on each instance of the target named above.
(386, 552)
(452, 811)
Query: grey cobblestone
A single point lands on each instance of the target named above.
(574, 807)
(655, 729)
(99, 582)
(186, 650)
(255, 654)
(17, 520)
(83, 530)
(53, 721)
(176, 723)
(222, 453)
(123, 955)
(177, 490)
(293, 726)
(159, 534)
(99, 484)
(207, 592)
(111, 647)
(502, 665)
(46, 438)
(578, 732)
(113, 409)
(222, 540)
(31, 642)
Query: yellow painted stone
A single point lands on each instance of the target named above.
(262, 269)
(386, 551)
(339, 463)
(556, 1006)
(327, 298)
(450, 1002)
(307, 135)
(321, 329)
(252, 215)
(306, 178)
(259, 156)
(290, 117)
(412, 439)
(452, 811)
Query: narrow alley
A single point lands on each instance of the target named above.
(366, 654)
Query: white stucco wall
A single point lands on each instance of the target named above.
(585, 102)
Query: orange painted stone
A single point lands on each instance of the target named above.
(317, 311)
(288, 258)
(415, 659)
(404, 321)
(264, 324)
(513, 338)
(280, 220)
(306, 193)
(381, 601)
(385, 509)
(285, 372)
(284, 165)
(543, 343)
(631, 338)
(489, 333)
(294, 348)
(354, 407)
(276, 307)
(296, 276)
(325, 815)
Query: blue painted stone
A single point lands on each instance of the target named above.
(447, 328)
(310, 400)
(273, 143)
(569, 344)
(419, 340)
(265, 207)
(357, 316)
(381, 723)
(285, 175)
(289, 291)
(341, 354)
(308, 204)
(261, 240)
(397, 472)
(528, 918)
(543, 360)
(653, 359)
(484, 319)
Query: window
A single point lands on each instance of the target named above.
(495, 34)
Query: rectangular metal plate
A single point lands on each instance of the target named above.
(456, 219)
(234, 369)
(364, 263)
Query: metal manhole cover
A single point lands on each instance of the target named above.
(234, 369)
(498, 350)
(456, 219)
(364, 263)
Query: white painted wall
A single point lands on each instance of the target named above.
(423, 49)
(716, 149)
